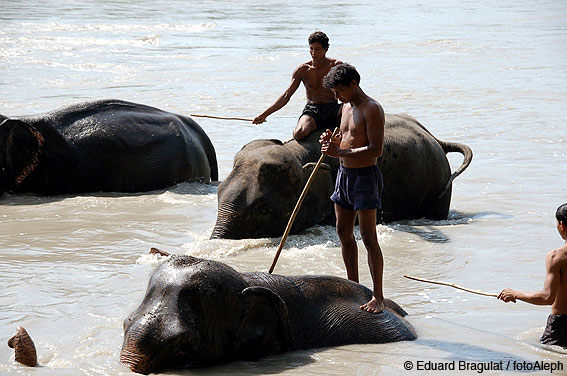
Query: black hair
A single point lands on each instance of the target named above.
(561, 214)
(320, 37)
(341, 74)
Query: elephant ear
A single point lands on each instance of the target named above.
(20, 144)
(263, 326)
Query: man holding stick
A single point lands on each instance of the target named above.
(322, 108)
(359, 181)
(554, 291)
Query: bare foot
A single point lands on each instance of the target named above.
(373, 306)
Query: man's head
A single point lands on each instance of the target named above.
(319, 37)
(343, 80)
(318, 45)
(561, 216)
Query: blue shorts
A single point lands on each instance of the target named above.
(358, 188)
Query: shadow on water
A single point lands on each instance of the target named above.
(427, 229)
(185, 188)
(427, 233)
(266, 366)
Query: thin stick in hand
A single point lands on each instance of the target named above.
(222, 117)
(451, 285)
(298, 205)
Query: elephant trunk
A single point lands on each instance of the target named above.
(226, 220)
(454, 147)
(133, 358)
(154, 340)
(132, 355)
(138, 349)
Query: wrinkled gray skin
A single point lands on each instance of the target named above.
(258, 196)
(106, 145)
(200, 313)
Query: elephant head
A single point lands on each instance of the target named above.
(260, 193)
(196, 313)
(20, 146)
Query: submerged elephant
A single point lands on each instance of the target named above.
(106, 145)
(259, 194)
(200, 313)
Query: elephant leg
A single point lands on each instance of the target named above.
(436, 208)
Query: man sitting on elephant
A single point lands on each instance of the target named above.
(359, 180)
(322, 109)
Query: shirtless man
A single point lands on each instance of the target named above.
(554, 291)
(359, 181)
(322, 109)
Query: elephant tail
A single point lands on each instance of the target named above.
(448, 147)
(454, 147)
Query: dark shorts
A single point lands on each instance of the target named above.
(555, 332)
(325, 114)
(358, 188)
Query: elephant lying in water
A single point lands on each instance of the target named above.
(200, 313)
(257, 197)
(106, 145)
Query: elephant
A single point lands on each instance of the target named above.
(257, 197)
(199, 313)
(104, 145)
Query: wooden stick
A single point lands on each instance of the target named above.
(451, 285)
(298, 205)
(222, 117)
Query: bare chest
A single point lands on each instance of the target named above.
(313, 79)
(353, 128)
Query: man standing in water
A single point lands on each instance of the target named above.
(359, 181)
(322, 109)
(554, 291)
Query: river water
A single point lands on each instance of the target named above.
(488, 74)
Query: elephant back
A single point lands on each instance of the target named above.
(325, 311)
(414, 166)
(113, 145)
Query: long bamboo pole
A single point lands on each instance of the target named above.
(297, 206)
(222, 117)
(451, 285)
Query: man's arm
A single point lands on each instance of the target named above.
(283, 99)
(550, 285)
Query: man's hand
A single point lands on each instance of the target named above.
(326, 136)
(259, 119)
(508, 295)
(330, 146)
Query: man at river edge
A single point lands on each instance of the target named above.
(359, 180)
(554, 291)
(322, 109)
